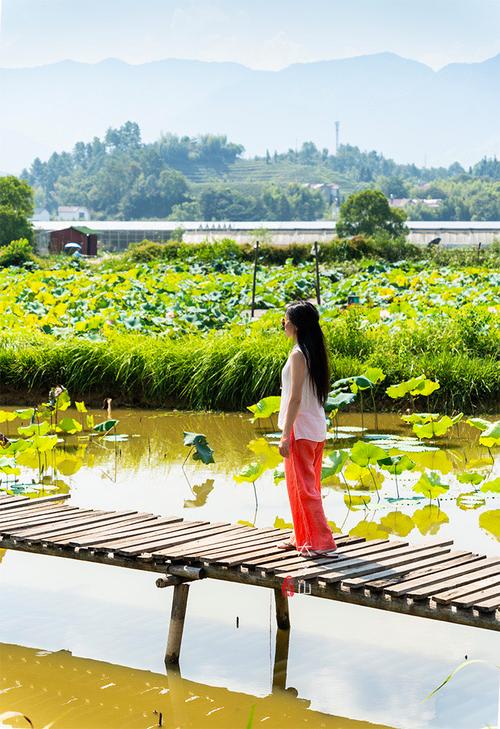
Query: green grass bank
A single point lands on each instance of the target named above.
(230, 369)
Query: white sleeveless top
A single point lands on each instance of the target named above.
(310, 421)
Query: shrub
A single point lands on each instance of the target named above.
(17, 253)
(211, 252)
(346, 249)
(148, 251)
(394, 249)
(275, 254)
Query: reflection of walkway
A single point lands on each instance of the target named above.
(426, 579)
(66, 692)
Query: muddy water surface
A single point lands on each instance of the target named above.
(81, 645)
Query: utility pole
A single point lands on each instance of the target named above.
(337, 136)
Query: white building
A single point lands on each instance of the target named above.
(403, 202)
(41, 214)
(72, 212)
(118, 234)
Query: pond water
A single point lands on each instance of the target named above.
(82, 645)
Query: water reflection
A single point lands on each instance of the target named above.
(147, 464)
(66, 692)
(346, 660)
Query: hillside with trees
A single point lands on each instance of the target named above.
(207, 178)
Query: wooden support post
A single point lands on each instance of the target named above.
(176, 628)
(170, 581)
(282, 616)
(316, 258)
(186, 571)
(254, 282)
(281, 660)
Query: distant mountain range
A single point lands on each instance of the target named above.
(400, 107)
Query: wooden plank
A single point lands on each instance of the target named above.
(143, 520)
(287, 557)
(160, 547)
(488, 606)
(162, 536)
(240, 542)
(355, 568)
(319, 564)
(186, 539)
(130, 541)
(471, 573)
(442, 576)
(11, 500)
(472, 598)
(18, 514)
(107, 534)
(21, 502)
(226, 536)
(264, 549)
(237, 550)
(427, 559)
(457, 560)
(26, 509)
(149, 537)
(237, 558)
(19, 517)
(478, 585)
(296, 560)
(92, 517)
(51, 515)
(20, 530)
(172, 524)
(250, 535)
(93, 529)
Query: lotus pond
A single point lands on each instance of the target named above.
(169, 299)
(82, 645)
(180, 334)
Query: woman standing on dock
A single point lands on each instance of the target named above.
(305, 383)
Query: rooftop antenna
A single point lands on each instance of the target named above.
(337, 136)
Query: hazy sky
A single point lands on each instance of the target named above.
(258, 33)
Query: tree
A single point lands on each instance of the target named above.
(367, 213)
(487, 168)
(216, 152)
(17, 195)
(124, 139)
(186, 211)
(152, 197)
(16, 207)
(309, 153)
(13, 226)
(223, 203)
(394, 186)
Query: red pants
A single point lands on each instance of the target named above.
(303, 481)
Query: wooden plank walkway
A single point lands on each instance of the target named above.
(427, 579)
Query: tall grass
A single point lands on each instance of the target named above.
(230, 369)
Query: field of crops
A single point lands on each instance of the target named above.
(179, 298)
(180, 332)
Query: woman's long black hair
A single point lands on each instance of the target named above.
(311, 341)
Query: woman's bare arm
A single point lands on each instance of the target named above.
(297, 374)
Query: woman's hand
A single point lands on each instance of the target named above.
(284, 447)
